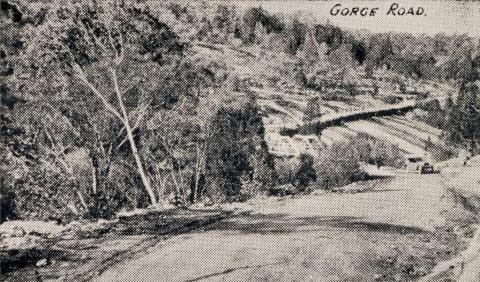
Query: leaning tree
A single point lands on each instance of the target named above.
(113, 55)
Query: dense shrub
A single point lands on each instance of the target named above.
(352, 90)
(238, 160)
(104, 204)
(391, 99)
(305, 174)
(378, 152)
(462, 119)
(341, 164)
(286, 169)
(313, 109)
(7, 202)
(435, 115)
(338, 165)
(458, 119)
(45, 194)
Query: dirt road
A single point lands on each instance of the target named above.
(397, 229)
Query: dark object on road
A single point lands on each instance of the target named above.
(427, 168)
(414, 162)
(283, 190)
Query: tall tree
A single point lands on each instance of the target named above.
(94, 46)
(462, 125)
(379, 49)
(309, 51)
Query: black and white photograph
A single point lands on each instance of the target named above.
(239, 140)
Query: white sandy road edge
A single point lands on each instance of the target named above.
(466, 266)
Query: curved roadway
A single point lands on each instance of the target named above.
(396, 229)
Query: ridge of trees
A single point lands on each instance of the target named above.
(420, 56)
(451, 58)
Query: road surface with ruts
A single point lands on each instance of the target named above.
(392, 229)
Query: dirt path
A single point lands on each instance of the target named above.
(396, 230)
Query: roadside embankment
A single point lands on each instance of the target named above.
(464, 182)
(45, 251)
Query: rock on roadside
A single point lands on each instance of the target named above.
(20, 228)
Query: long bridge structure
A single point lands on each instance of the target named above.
(316, 125)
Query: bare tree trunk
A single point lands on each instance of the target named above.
(163, 184)
(133, 146)
(198, 165)
(123, 117)
(181, 185)
(177, 188)
(138, 162)
(82, 200)
(94, 175)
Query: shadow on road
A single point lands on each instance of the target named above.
(281, 223)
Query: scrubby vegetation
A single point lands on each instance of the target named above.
(313, 110)
(341, 164)
(462, 119)
(107, 106)
(459, 119)
(88, 130)
(306, 173)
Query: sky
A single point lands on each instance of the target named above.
(449, 17)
